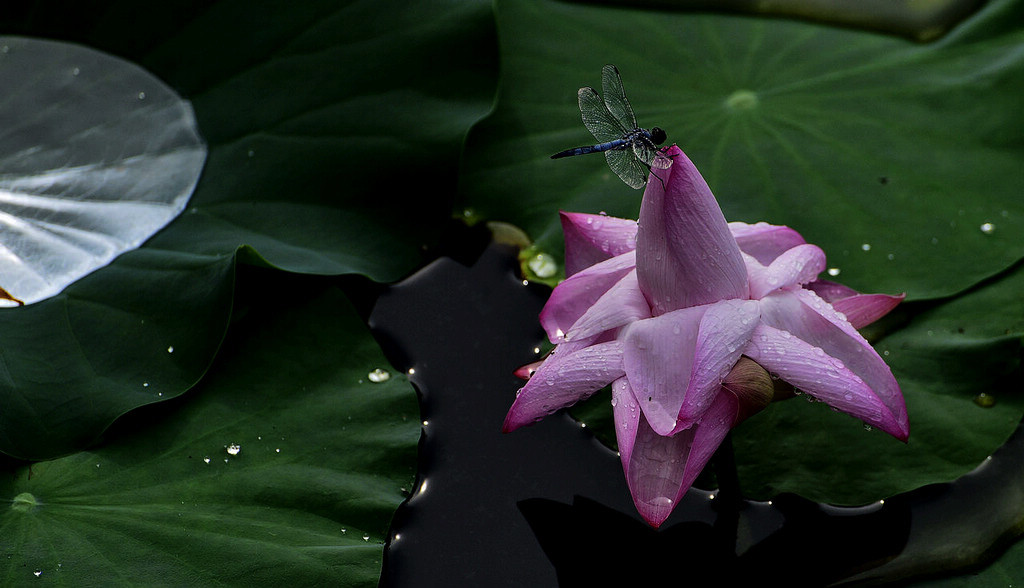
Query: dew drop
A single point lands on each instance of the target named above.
(866, 247)
(206, 460)
(378, 375)
(37, 573)
(543, 265)
(234, 448)
(987, 228)
(366, 537)
(170, 349)
(985, 400)
(833, 271)
(142, 95)
(663, 501)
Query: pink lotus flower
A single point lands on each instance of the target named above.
(677, 311)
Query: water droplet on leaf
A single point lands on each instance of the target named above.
(985, 400)
(543, 265)
(378, 375)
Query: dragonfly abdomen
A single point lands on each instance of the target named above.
(616, 144)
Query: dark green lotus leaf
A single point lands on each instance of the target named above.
(915, 20)
(334, 135)
(142, 330)
(901, 160)
(1005, 571)
(282, 468)
(334, 128)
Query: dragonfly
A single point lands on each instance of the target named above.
(630, 150)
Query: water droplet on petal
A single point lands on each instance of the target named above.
(664, 501)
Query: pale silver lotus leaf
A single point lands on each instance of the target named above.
(96, 155)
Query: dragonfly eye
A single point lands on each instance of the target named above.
(658, 136)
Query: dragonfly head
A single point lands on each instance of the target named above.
(658, 135)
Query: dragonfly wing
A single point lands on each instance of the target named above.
(615, 98)
(596, 117)
(625, 165)
(644, 153)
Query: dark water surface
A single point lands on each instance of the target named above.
(548, 505)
